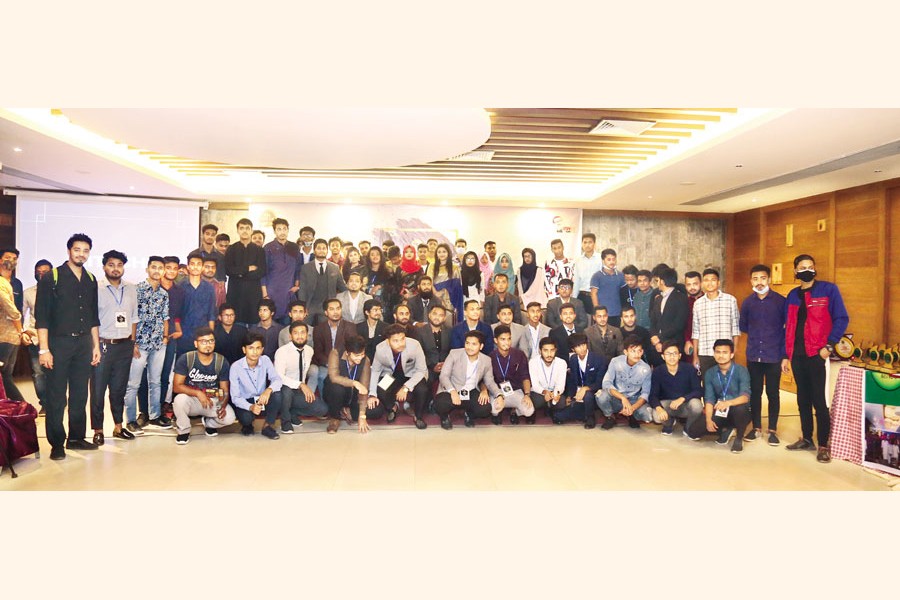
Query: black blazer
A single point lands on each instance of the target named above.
(362, 329)
(426, 340)
(334, 283)
(551, 317)
(417, 307)
(559, 335)
(669, 325)
(492, 305)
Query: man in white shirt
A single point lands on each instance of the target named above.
(585, 266)
(293, 363)
(548, 377)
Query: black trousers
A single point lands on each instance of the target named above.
(271, 413)
(809, 375)
(770, 374)
(538, 401)
(112, 372)
(8, 355)
(338, 396)
(443, 405)
(738, 417)
(418, 398)
(588, 302)
(71, 370)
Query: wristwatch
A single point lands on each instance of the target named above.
(829, 347)
(43, 351)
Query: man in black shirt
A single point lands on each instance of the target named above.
(245, 264)
(229, 335)
(630, 327)
(68, 326)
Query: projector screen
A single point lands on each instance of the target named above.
(139, 227)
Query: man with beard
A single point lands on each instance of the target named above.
(245, 264)
(208, 250)
(420, 303)
(434, 337)
(501, 295)
(68, 324)
(604, 339)
(630, 327)
(229, 335)
(282, 279)
(347, 385)
(467, 382)
(472, 310)
(692, 287)
(118, 311)
(399, 374)
(517, 331)
(353, 300)
(402, 317)
(293, 363)
(535, 331)
(320, 280)
(296, 312)
(210, 275)
(333, 333)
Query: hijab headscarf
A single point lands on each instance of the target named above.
(509, 271)
(470, 275)
(410, 265)
(528, 271)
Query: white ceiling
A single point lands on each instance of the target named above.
(797, 141)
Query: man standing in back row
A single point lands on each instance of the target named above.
(245, 264)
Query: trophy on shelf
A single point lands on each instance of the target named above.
(884, 359)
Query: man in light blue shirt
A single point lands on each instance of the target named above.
(585, 266)
(626, 387)
(255, 387)
(727, 395)
(605, 284)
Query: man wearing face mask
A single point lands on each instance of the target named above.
(815, 320)
(762, 319)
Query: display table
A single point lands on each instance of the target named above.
(847, 415)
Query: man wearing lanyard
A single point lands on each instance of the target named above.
(584, 380)
(535, 331)
(118, 311)
(68, 323)
(626, 387)
(348, 379)
(251, 395)
(399, 371)
(293, 363)
(727, 396)
(467, 382)
(585, 266)
(548, 377)
(510, 369)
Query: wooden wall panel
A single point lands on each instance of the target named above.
(807, 240)
(746, 252)
(893, 267)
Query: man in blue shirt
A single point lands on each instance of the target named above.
(605, 285)
(762, 319)
(198, 308)
(626, 387)
(255, 387)
(675, 392)
(471, 310)
(727, 394)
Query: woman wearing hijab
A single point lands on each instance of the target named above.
(445, 279)
(505, 265)
(471, 278)
(531, 280)
(410, 271)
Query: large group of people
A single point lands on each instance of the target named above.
(322, 328)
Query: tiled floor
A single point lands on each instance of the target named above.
(393, 458)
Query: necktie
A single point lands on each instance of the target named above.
(321, 268)
(300, 357)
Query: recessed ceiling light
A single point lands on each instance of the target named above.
(542, 205)
(17, 149)
(878, 170)
(738, 166)
(688, 183)
(130, 187)
(755, 200)
(650, 197)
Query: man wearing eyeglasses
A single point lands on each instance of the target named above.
(675, 392)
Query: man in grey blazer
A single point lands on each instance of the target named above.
(467, 382)
(505, 314)
(320, 280)
(399, 374)
(353, 300)
(565, 295)
(535, 331)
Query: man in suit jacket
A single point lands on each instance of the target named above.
(333, 333)
(434, 336)
(583, 381)
(420, 303)
(467, 382)
(501, 296)
(372, 329)
(353, 300)
(472, 310)
(535, 331)
(516, 330)
(320, 280)
(603, 338)
(668, 311)
(561, 334)
(399, 374)
(565, 296)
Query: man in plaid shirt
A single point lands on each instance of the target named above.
(716, 316)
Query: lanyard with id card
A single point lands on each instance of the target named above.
(121, 317)
(388, 379)
(725, 385)
(505, 385)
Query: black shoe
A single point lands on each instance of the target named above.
(80, 445)
(182, 438)
(724, 435)
(608, 423)
(420, 424)
(513, 418)
(633, 422)
(530, 420)
(392, 415)
(470, 422)
(142, 420)
(123, 434)
(556, 421)
(446, 424)
(159, 423)
(211, 431)
(98, 438)
(247, 430)
(57, 453)
(801, 444)
(753, 434)
(738, 446)
(269, 432)
(773, 439)
(497, 419)
(589, 423)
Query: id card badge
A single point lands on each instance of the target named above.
(463, 395)
(386, 382)
(506, 388)
(121, 319)
(723, 413)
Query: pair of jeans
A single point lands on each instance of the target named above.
(294, 404)
(610, 406)
(771, 374)
(113, 372)
(692, 410)
(71, 370)
(270, 414)
(153, 360)
(168, 353)
(37, 373)
(8, 354)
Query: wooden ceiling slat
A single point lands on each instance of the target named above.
(503, 134)
(607, 113)
(585, 144)
(474, 178)
(597, 153)
(688, 126)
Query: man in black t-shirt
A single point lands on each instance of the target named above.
(201, 388)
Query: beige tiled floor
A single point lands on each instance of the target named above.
(489, 458)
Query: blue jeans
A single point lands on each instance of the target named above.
(576, 411)
(610, 406)
(153, 360)
(168, 361)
